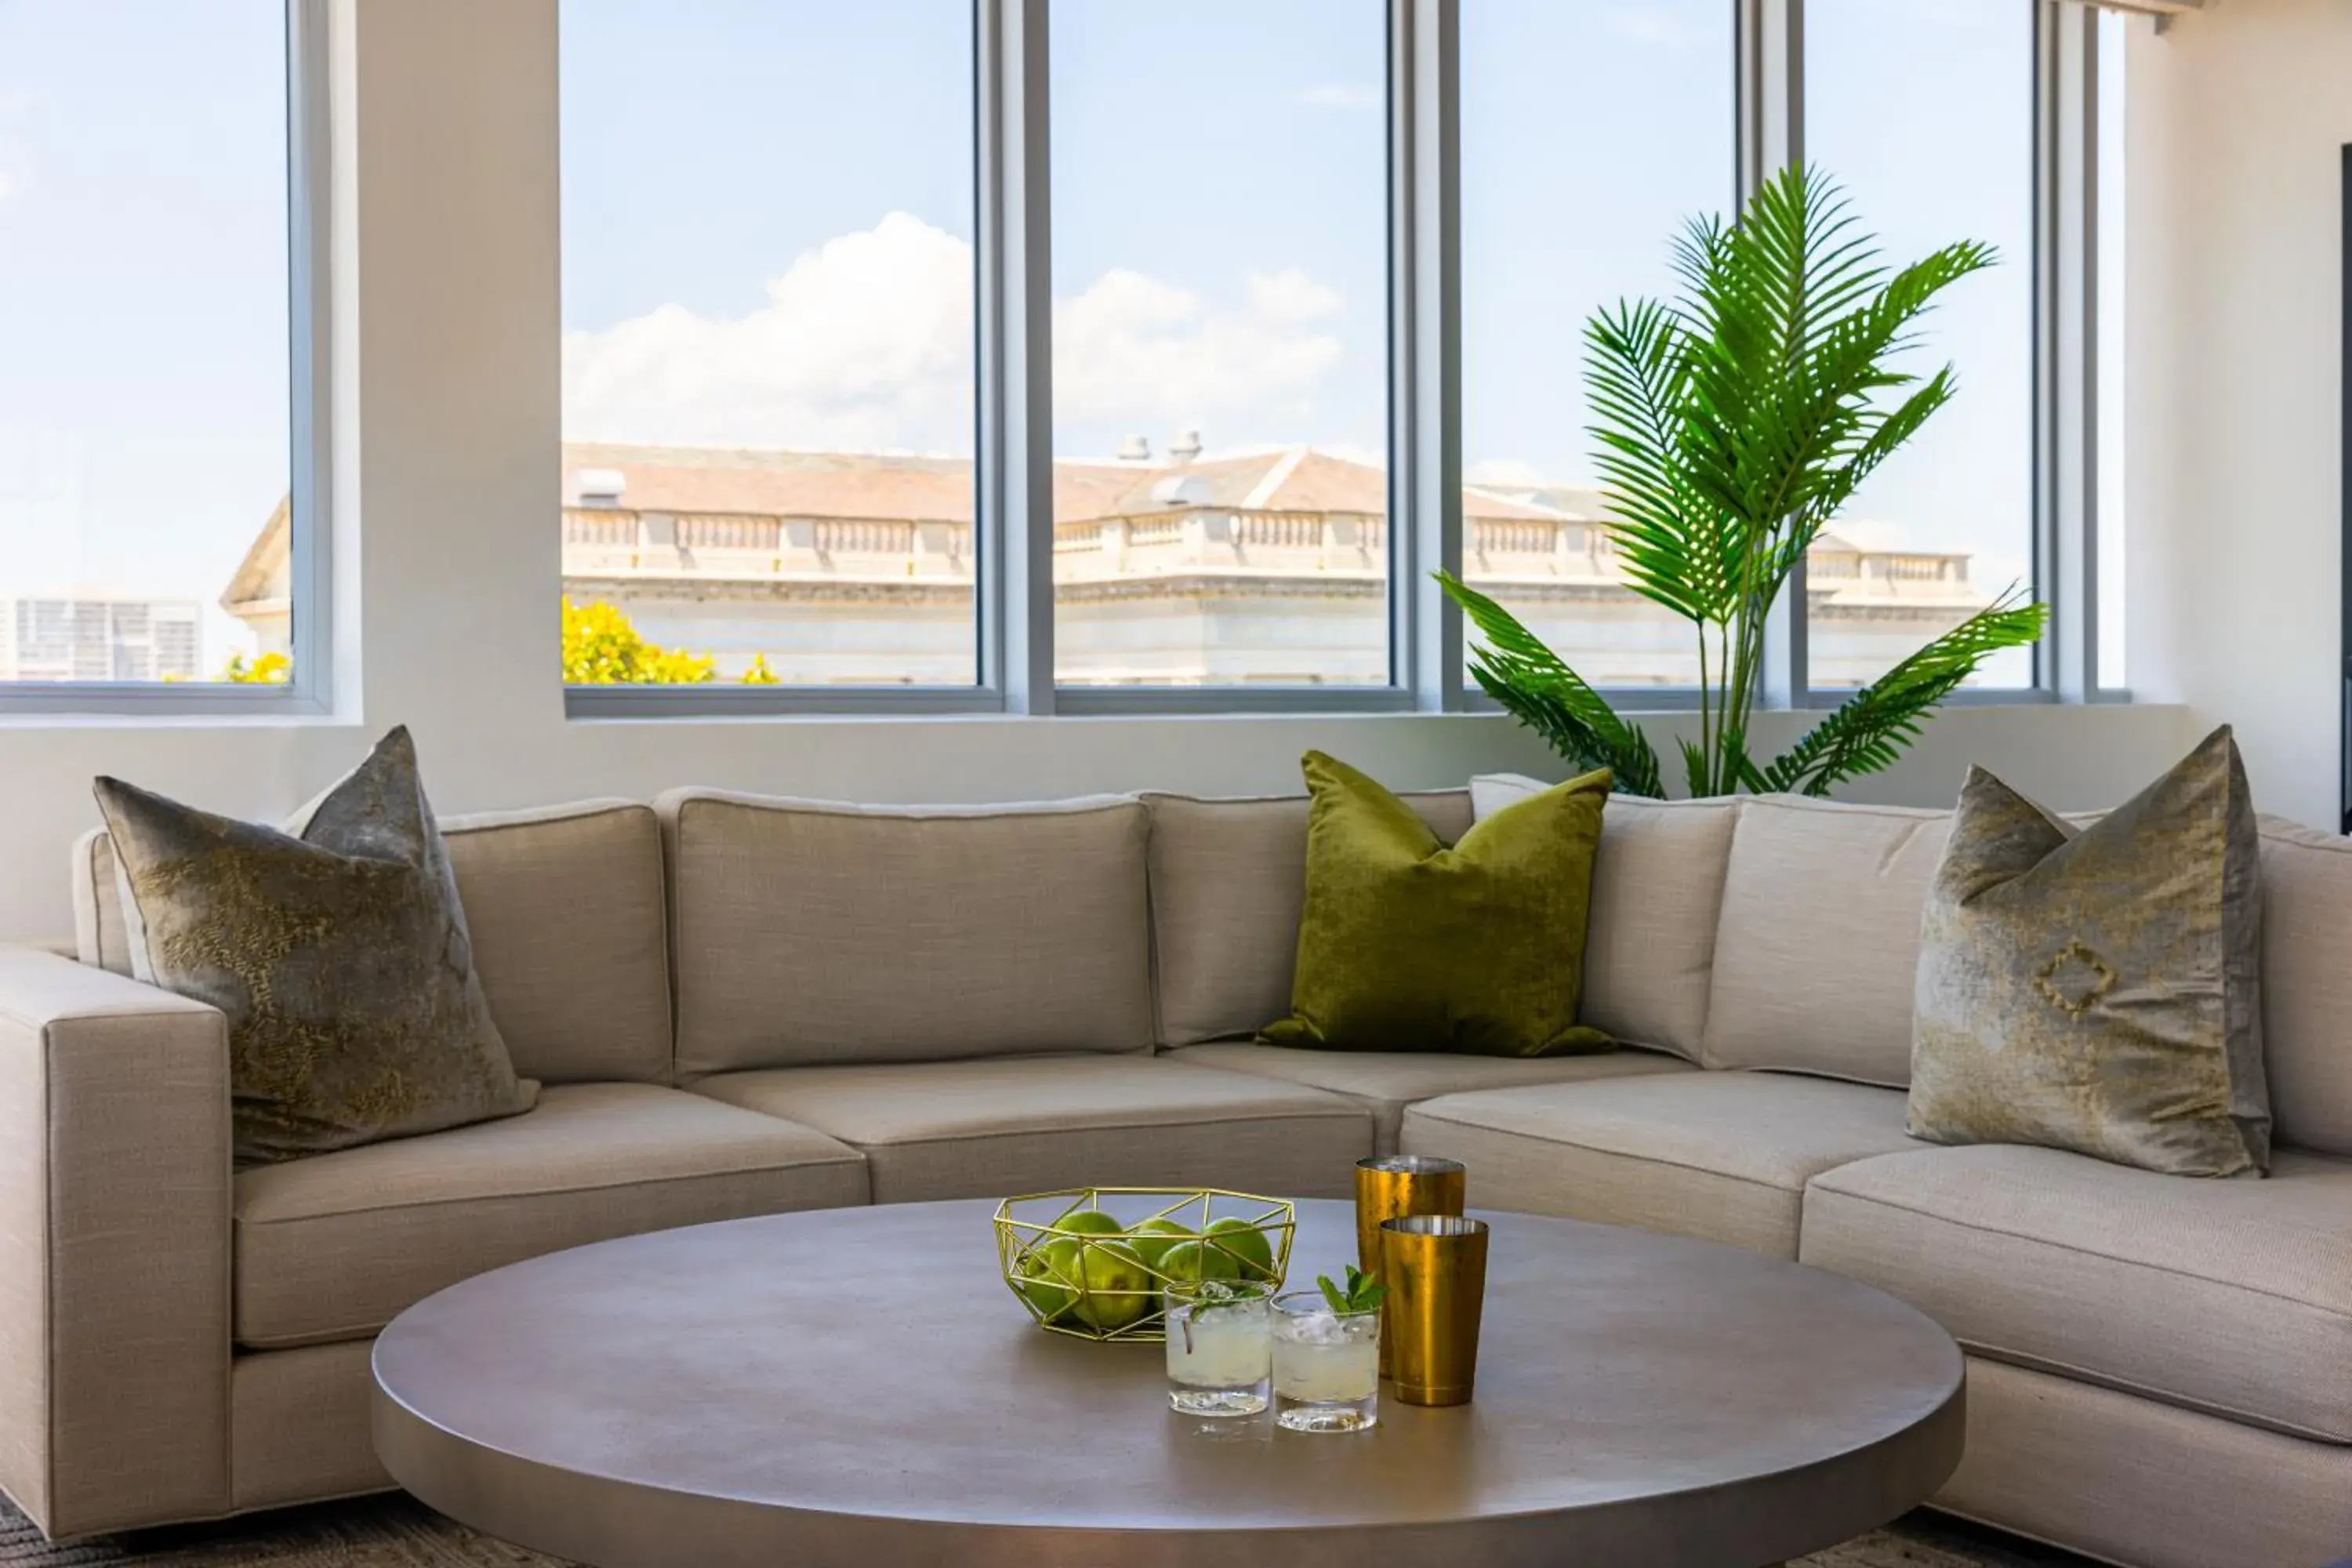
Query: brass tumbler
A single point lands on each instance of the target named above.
(1392, 1184)
(1436, 1268)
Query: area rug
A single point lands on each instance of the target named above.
(398, 1533)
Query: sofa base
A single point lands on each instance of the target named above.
(2105, 1474)
(299, 1427)
(2133, 1483)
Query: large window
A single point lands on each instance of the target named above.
(768, 362)
(1220, 252)
(1565, 209)
(150, 518)
(1094, 356)
(1924, 110)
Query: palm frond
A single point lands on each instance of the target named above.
(1868, 731)
(1537, 687)
(1637, 376)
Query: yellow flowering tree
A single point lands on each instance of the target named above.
(268, 669)
(600, 647)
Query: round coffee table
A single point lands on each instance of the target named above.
(855, 1386)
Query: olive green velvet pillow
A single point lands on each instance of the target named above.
(2095, 990)
(1407, 945)
(338, 950)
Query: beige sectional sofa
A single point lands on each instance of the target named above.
(742, 1005)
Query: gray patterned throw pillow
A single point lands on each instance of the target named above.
(2098, 990)
(336, 947)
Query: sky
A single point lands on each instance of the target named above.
(143, 402)
(768, 219)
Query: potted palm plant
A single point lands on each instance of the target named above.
(1733, 422)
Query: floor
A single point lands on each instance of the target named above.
(396, 1532)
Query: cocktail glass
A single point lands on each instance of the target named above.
(1220, 1348)
(1327, 1365)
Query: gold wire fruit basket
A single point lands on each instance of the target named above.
(1102, 1278)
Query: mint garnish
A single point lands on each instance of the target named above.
(1363, 1293)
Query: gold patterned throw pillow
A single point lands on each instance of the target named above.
(2095, 990)
(336, 947)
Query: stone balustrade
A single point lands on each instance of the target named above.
(1189, 542)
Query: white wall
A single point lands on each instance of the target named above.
(2236, 121)
(448, 470)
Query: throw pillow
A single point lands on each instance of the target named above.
(1407, 945)
(337, 947)
(2095, 990)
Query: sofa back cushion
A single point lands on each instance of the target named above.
(1228, 884)
(811, 933)
(564, 906)
(1657, 890)
(1817, 951)
(2308, 984)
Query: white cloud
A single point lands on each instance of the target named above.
(865, 344)
(1291, 297)
(1340, 95)
(1154, 355)
(7, 184)
(1505, 473)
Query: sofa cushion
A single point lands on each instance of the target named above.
(337, 948)
(2098, 990)
(2231, 1297)
(1817, 951)
(809, 933)
(334, 1248)
(994, 1129)
(566, 908)
(1720, 1156)
(1228, 884)
(567, 905)
(1388, 1081)
(1657, 893)
(1407, 943)
(2308, 984)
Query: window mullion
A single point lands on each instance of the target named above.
(1771, 81)
(309, 185)
(1015, 491)
(1426, 348)
(2065, 415)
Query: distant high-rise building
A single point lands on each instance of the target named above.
(97, 635)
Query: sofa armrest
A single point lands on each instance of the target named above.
(114, 1248)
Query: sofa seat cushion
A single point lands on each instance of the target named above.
(1723, 1156)
(1386, 1082)
(995, 1128)
(334, 1246)
(2231, 1296)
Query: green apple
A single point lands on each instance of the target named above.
(1154, 1238)
(1048, 1275)
(1249, 1246)
(1087, 1221)
(1190, 1262)
(1118, 1288)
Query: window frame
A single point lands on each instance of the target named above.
(309, 690)
(1014, 597)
